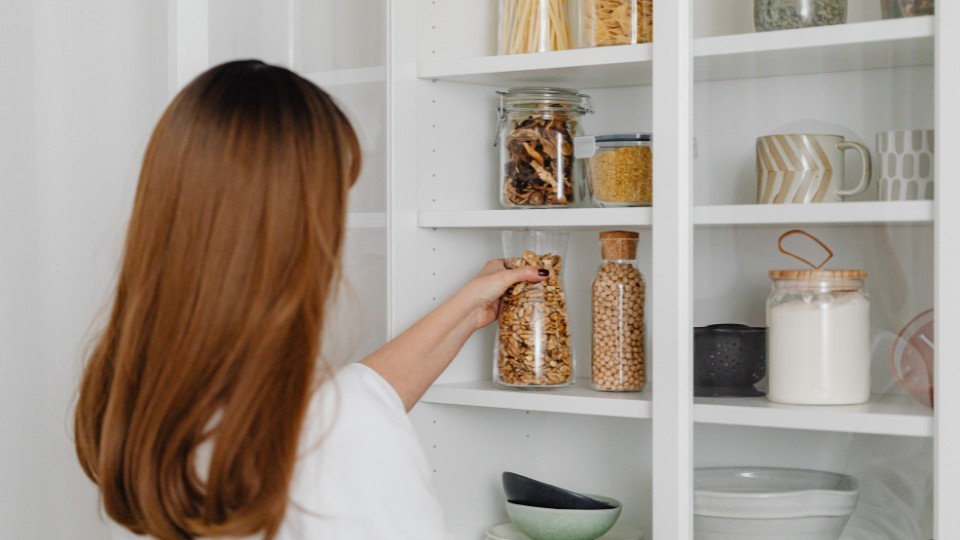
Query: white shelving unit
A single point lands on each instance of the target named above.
(705, 248)
(451, 216)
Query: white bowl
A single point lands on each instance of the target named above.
(737, 503)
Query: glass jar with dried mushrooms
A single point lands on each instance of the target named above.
(537, 127)
(533, 335)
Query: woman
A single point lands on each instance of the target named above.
(204, 410)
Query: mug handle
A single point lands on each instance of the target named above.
(867, 168)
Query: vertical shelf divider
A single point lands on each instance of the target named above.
(401, 165)
(947, 266)
(672, 272)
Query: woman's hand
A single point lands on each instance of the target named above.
(483, 292)
(415, 358)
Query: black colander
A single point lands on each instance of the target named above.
(728, 359)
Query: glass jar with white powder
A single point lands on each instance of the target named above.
(818, 347)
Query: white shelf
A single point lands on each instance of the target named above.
(825, 49)
(884, 415)
(366, 220)
(849, 213)
(540, 218)
(341, 77)
(624, 65)
(853, 213)
(577, 399)
(847, 47)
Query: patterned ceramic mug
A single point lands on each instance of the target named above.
(906, 164)
(801, 168)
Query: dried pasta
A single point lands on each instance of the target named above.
(534, 26)
(615, 22)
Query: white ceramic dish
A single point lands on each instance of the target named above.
(738, 503)
(509, 531)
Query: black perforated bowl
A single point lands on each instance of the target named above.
(728, 359)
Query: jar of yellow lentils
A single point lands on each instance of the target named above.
(619, 168)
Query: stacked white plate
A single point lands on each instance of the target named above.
(509, 531)
(761, 503)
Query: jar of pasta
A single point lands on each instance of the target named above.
(528, 26)
(615, 22)
(537, 127)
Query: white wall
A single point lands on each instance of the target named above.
(82, 85)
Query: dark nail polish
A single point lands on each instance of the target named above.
(543, 272)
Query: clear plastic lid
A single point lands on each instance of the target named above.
(587, 146)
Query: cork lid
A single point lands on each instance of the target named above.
(818, 275)
(619, 245)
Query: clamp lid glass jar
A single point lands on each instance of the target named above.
(619, 168)
(537, 127)
(819, 337)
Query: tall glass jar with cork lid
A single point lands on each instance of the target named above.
(619, 292)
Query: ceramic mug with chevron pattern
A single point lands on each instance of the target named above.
(803, 168)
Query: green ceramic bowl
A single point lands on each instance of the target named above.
(556, 524)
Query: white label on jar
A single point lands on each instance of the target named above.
(819, 350)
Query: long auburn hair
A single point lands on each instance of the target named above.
(232, 250)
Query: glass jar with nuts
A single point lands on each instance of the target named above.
(537, 127)
(533, 336)
(618, 316)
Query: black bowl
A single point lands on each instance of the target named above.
(527, 491)
(728, 359)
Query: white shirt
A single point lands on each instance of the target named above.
(362, 474)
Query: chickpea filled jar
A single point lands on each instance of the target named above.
(619, 293)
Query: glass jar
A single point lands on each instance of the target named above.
(619, 168)
(533, 334)
(537, 127)
(894, 9)
(528, 26)
(818, 343)
(618, 316)
(615, 22)
(787, 14)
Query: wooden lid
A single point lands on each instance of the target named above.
(619, 234)
(619, 245)
(818, 275)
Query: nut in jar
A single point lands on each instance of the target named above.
(533, 340)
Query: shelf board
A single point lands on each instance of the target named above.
(848, 47)
(825, 49)
(576, 399)
(585, 218)
(341, 77)
(884, 415)
(845, 213)
(622, 65)
(853, 213)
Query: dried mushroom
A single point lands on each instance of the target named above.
(539, 166)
